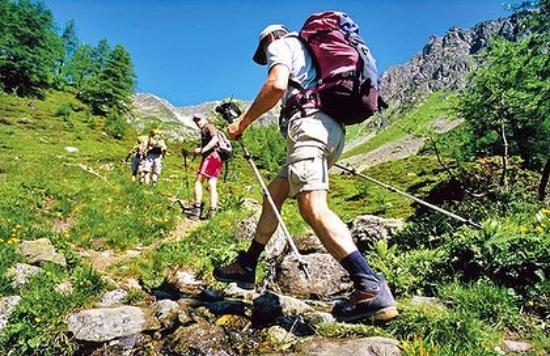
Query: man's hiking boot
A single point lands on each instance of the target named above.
(236, 272)
(211, 213)
(195, 212)
(372, 300)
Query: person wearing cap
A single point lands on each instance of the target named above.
(155, 151)
(210, 169)
(314, 143)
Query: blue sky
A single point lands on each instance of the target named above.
(194, 51)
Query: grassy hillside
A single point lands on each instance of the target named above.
(84, 201)
(436, 106)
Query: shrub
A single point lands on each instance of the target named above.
(411, 272)
(115, 125)
(63, 111)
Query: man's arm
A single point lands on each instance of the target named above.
(213, 142)
(270, 93)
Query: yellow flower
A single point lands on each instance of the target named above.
(17, 226)
(540, 228)
(37, 319)
(523, 228)
(545, 210)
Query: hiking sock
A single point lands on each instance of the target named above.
(251, 256)
(357, 267)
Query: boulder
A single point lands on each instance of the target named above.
(233, 291)
(366, 230)
(40, 251)
(112, 298)
(328, 278)
(270, 306)
(309, 243)
(167, 311)
(185, 282)
(234, 322)
(198, 339)
(511, 346)
(276, 245)
(138, 344)
(7, 306)
(104, 324)
(370, 346)
(22, 273)
(316, 318)
(278, 339)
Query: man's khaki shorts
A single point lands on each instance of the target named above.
(314, 144)
(152, 163)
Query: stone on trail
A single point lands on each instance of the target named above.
(276, 338)
(510, 346)
(185, 282)
(65, 288)
(328, 278)
(366, 230)
(309, 243)
(7, 306)
(112, 298)
(198, 339)
(276, 245)
(104, 324)
(316, 318)
(22, 273)
(40, 251)
(231, 321)
(233, 291)
(370, 346)
(167, 311)
(270, 306)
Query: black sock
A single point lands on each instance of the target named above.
(357, 267)
(250, 257)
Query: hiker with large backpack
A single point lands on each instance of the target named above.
(215, 149)
(137, 153)
(155, 151)
(326, 78)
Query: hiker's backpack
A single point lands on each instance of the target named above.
(347, 81)
(225, 150)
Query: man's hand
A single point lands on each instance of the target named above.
(197, 151)
(235, 130)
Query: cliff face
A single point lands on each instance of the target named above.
(444, 61)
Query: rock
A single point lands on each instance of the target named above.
(183, 313)
(104, 324)
(233, 291)
(316, 318)
(65, 288)
(515, 346)
(22, 273)
(7, 306)
(366, 230)
(235, 322)
(185, 282)
(420, 300)
(71, 149)
(309, 243)
(270, 306)
(112, 298)
(370, 346)
(276, 245)
(210, 295)
(167, 312)
(252, 205)
(130, 283)
(198, 339)
(328, 278)
(236, 307)
(40, 251)
(278, 339)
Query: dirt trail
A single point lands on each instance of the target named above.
(103, 260)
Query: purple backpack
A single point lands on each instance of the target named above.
(347, 82)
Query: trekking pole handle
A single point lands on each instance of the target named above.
(301, 263)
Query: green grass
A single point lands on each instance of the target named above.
(436, 106)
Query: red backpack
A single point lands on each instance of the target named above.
(347, 81)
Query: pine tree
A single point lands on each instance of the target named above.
(81, 67)
(31, 50)
(70, 40)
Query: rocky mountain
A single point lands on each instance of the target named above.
(177, 122)
(444, 61)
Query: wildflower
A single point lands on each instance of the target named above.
(523, 229)
(37, 319)
(540, 229)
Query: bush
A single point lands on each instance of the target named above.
(115, 125)
(407, 273)
(63, 111)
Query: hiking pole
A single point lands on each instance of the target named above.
(301, 263)
(184, 181)
(354, 172)
(230, 111)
